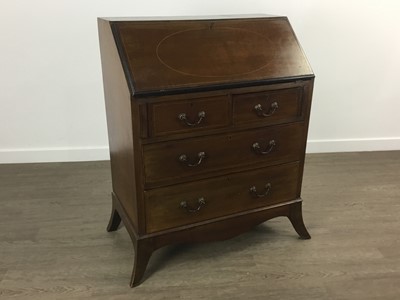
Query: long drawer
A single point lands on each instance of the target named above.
(192, 202)
(178, 161)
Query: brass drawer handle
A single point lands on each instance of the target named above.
(257, 148)
(272, 109)
(201, 202)
(267, 188)
(183, 117)
(184, 159)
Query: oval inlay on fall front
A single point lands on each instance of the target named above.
(218, 52)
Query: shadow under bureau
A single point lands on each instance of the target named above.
(207, 122)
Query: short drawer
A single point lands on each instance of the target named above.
(178, 161)
(272, 107)
(206, 199)
(189, 115)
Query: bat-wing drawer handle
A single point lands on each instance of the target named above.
(267, 188)
(272, 109)
(183, 118)
(200, 203)
(184, 159)
(257, 148)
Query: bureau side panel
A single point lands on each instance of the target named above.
(119, 123)
(308, 92)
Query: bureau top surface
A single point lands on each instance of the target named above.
(183, 55)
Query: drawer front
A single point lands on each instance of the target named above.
(178, 161)
(189, 115)
(272, 107)
(205, 199)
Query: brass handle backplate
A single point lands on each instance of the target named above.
(272, 109)
(257, 148)
(253, 191)
(201, 202)
(183, 118)
(184, 159)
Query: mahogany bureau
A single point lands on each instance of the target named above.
(207, 122)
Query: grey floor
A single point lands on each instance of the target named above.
(53, 243)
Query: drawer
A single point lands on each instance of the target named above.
(189, 115)
(272, 107)
(205, 199)
(178, 161)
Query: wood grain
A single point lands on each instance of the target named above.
(183, 57)
(165, 116)
(120, 125)
(223, 152)
(222, 196)
(53, 242)
(177, 55)
(289, 102)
